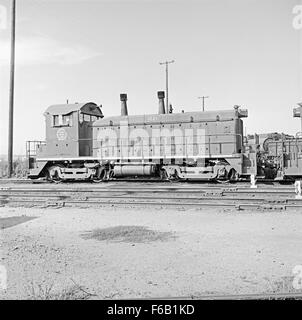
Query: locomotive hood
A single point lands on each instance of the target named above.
(222, 115)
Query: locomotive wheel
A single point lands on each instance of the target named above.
(223, 181)
(100, 176)
(103, 175)
(233, 175)
(163, 175)
(53, 174)
(174, 177)
(111, 175)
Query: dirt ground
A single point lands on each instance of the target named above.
(114, 252)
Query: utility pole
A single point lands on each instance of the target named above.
(167, 83)
(11, 91)
(298, 113)
(203, 98)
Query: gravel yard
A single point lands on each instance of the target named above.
(110, 252)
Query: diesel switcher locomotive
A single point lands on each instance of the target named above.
(82, 144)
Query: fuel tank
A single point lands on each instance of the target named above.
(134, 170)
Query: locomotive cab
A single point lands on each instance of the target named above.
(68, 136)
(69, 130)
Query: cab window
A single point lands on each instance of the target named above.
(87, 117)
(56, 121)
(67, 120)
(93, 118)
(62, 120)
(81, 117)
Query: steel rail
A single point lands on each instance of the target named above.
(170, 204)
(127, 196)
(239, 203)
(153, 181)
(247, 296)
(111, 188)
(158, 195)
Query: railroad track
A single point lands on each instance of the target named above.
(159, 195)
(251, 296)
(151, 181)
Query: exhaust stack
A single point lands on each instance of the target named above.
(124, 110)
(161, 106)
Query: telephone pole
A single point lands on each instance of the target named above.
(167, 83)
(11, 91)
(203, 98)
(298, 113)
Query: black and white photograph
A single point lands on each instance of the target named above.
(150, 150)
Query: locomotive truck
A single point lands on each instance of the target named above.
(82, 144)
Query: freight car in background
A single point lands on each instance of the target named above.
(82, 144)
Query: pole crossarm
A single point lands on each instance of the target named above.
(203, 100)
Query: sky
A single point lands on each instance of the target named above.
(237, 52)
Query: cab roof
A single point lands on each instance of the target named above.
(89, 108)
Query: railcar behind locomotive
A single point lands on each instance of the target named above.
(82, 144)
